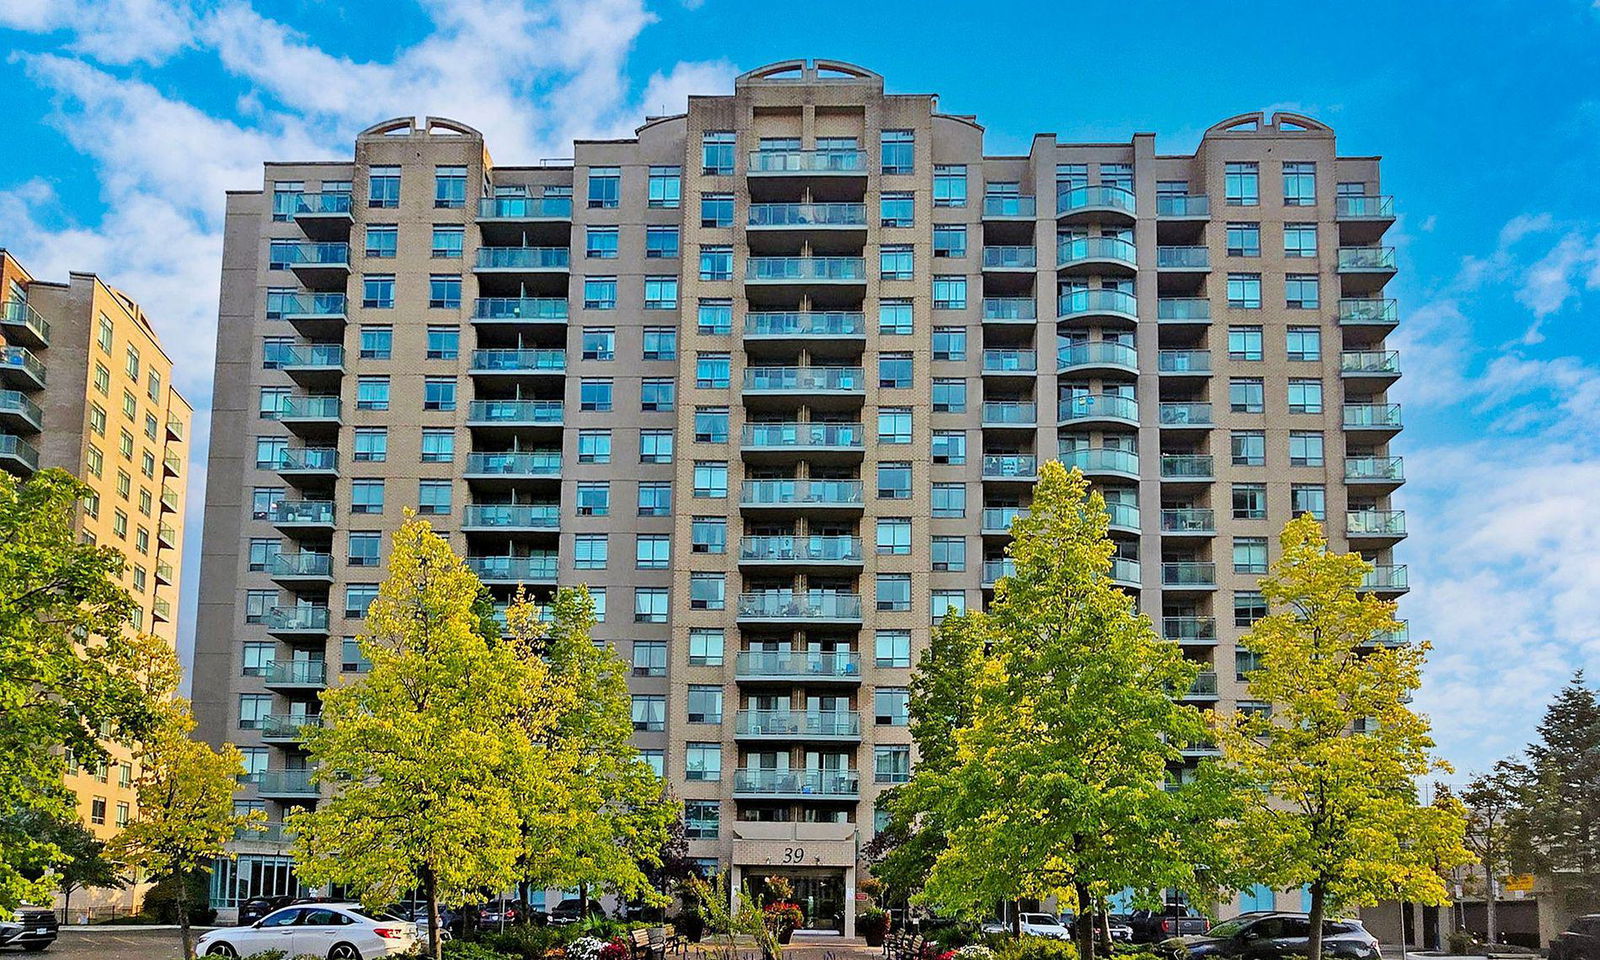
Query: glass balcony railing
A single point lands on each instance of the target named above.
(1182, 205)
(1010, 466)
(1184, 361)
(819, 493)
(1189, 573)
(20, 321)
(525, 208)
(510, 463)
(1355, 311)
(17, 404)
(296, 672)
(169, 499)
(827, 724)
(1203, 688)
(1125, 570)
(1380, 416)
(1124, 515)
(308, 459)
(1101, 460)
(166, 535)
(1010, 361)
(790, 605)
(1188, 520)
(322, 204)
(999, 518)
(313, 254)
(519, 361)
(798, 783)
(775, 324)
(311, 305)
(1074, 250)
(301, 513)
(1101, 406)
(1072, 303)
(161, 609)
(512, 516)
(808, 215)
(806, 268)
(1098, 353)
(529, 569)
(1363, 208)
(164, 573)
(21, 359)
(1196, 630)
(802, 435)
(1097, 197)
(1370, 361)
(1183, 308)
(995, 570)
(287, 726)
(816, 548)
(758, 379)
(515, 411)
(309, 408)
(1010, 308)
(808, 161)
(1184, 414)
(1001, 206)
(1385, 576)
(1401, 634)
(1375, 523)
(172, 464)
(301, 565)
(1366, 258)
(303, 619)
(272, 833)
(1186, 466)
(1010, 412)
(314, 356)
(1009, 258)
(1182, 258)
(797, 664)
(1374, 469)
(286, 783)
(523, 258)
(519, 308)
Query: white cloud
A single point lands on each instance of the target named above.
(116, 32)
(1548, 284)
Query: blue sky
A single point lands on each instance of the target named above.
(129, 118)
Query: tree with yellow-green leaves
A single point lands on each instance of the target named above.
(1339, 757)
(429, 756)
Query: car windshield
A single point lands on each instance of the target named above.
(1229, 928)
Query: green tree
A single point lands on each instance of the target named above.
(1490, 800)
(1057, 783)
(1338, 759)
(429, 755)
(85, 862)
(64, 671)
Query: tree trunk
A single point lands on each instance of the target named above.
(430, 889)
(1016, 919)
(583, 902)
(1491, 893)
(183, 917)
(1083, 923)
(1103, 918)
(66, 903)
(1314, 947)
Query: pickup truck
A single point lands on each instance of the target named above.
(32, 929)
(1150, 926)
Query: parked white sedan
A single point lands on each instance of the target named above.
(337, 931)
(1033, 925)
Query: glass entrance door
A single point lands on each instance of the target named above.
(822, 900)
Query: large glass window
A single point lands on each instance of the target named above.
(1244, 343)
(717, 152)
(893, 591)
(1249, 501)
(1305, 448)
(665, 187)
(892, 648)
(605, 187)
(450, 187)
(949, 293)
(896, 209)
(1246, 395)
(1249, 448)
(1299, 240)
(1300, 291)
(1305, 395)
(1299, 184)
(894, 535)
(1304, 343)
(1244, 239)
(950, 240)
(949, 185)
(1244, 291)
(1241, 184)
(600, 243)
(899, 151)
(894, 481)
(1309, 498)
(383, 239)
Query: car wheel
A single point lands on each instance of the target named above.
(344, 951)
(222, 950)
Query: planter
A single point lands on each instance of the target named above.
(784, 934)
(873, 935)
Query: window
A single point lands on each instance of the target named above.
(716, 152)
(655, 446)
(1249, 448)
(357, 597)
(1309, 498)
(599, 343)
(438, 445)
(594, 498)
(1299, 184)
(895, 209)
(649, 712)
(1244, 291)
(712, 371)
(600, 243)
(1305, 395)
(1300, 291)
(104, 333)
(705, 647)
(660, 293)
(383, 187)
(366, 496)
(444, 291)
(702, 819)
(1299, 240)
(439, 393)
(716, 263)
(151, 426)
(364, 549)
(1248, 607)
(286, 199)
(708, 591)
(1249, 554)
(600, 293)
(1244, 343)
(371, 444)
(946, 602)
(716, 210)
(257, 603)
(119, 523)
(894, 424)
(605, 187)
(433, 497)
(949, 395)
(97, 419)
(153, 385)
(894, 481)
(377, 343)
(594, 446)
(590, 551)
(130, 405)
(949, 446)
(1250, 501)
(444, 343)
(131, 364)
(655, 498)
(102, 379)
(95, 461)
(97, 809)
(711, 425)
(950, 554)
(594, 394)
(949, 293)
(894, 317)
(891, 764)
(383, 239)
(702, 762)
(1305, 343)
(894, 536)
(899, 152)
(894, 261)
(125, 444)
(704, 703)
(1246, 395)
(1246, 661)
(1241, 184)
(262, 550)
(377, 291)
(891, 706)
(714, 317)
(708, 535)
(276, 352)
(710, 479)
(949, 343)
(950, 240)
(661, 243)
(893, 591)
(892, 648)
(894, 370)
(665, 187)
(949, 185)
(448, 241)
(1305, 448)
(652, 551)
(1244, 239)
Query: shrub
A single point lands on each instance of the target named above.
(784, 916)
(267, 955)
(692, 924)
(522, 942)
(1463, 942)
(161, 901)
(466, 950)
(872, 921)
(586, 948)
(974, 951)
(1037, 948)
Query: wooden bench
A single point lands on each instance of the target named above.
(643, 949)
(670, 941)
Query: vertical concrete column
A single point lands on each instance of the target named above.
(850, 901)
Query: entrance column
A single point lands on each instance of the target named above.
(850, 900)
(735, 882)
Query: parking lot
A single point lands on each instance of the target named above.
(110, 943)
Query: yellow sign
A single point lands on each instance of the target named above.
(1522, 883)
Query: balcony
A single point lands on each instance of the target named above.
(510, 517)
(20, 414)
(1094, 202)
(1184, 575)
(1101, 357)
(303, 621)
(1368, 312)
(806, 666)
(301, 568)
(175, 428)
(781, 325)
(1203, 688)
(310, 416)
(1010, 310)
(1374, 527)
(803, 438)
(807, 217)
(1190, 631)
(997, 520)
(319, 266)
(517, 363)
(999, 363)
(1183, 363)
(1125, 572)
(1122, 517)
(1186, 467)
(310, 462)
(1366, 260)
(318, 316)
(280, 784)
(491, 311)
(324, 216)
(161, 610)
(819, 495)
(1388, 579)
(515, 260)
(164, 573)
(1381, 419)
(512, 464)
(172, 465)
(295, 675)
(1101, 305)
(756, 784)
(1008, 413)
(1103, 462)
(166, 536)
(169, 499)
(508, 570)
(1363, 208)
(271, 834)
(1398, 637)
(281, 728)
(1010, 258)
(1177, 206)
(1023, 467)
(22, 325)
(1107, 409)
(290, 515)
(1182, 259)
(831, 725)
(1096, 255)
(807, 163)
(1176, 311)
(790, 607)
(314, 365)
(19, 368)
(790, 551)
(515, 413)
(1190, 521)
(524, 209)
(1382, 366)
(996, 570)
(1009, 208)
(1386, 472)
(814, 383)
(1181, 415)
(806, 270)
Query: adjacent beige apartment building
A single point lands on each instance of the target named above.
(86, 387)
(772, 378)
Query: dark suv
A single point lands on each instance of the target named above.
(32, 928)
(1581, 941)
(1276, 936)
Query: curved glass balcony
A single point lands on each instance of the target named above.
(19, 367)
(1096, 198)
(19, 412)
(1125, 572)
(1099, 460)
(1098, 355)
(797, 665)
(1123, 516)
(789, 549)
(1075, 304)
(803, 324)
(1085, 407)
(1074, 251)
(797, 725)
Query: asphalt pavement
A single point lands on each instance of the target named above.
(109, 943)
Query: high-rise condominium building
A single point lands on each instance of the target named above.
(772, 378)
(86, 387)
